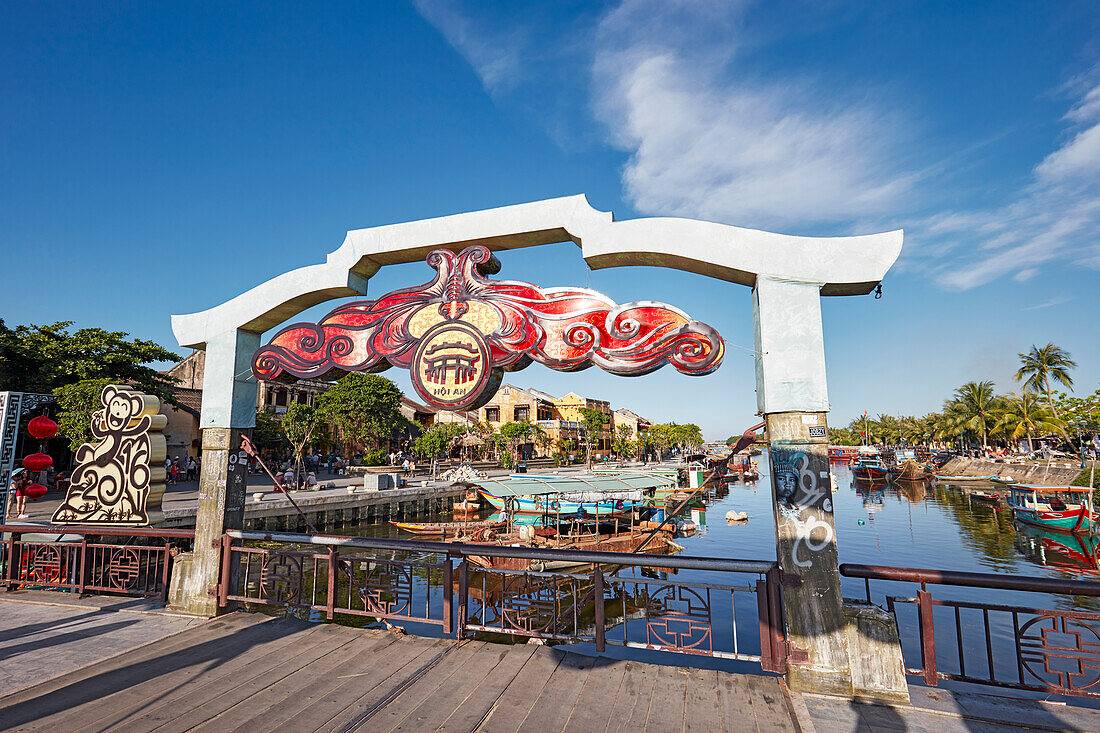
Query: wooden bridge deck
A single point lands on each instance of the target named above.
(252, 673)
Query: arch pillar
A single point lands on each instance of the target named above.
(228, 412)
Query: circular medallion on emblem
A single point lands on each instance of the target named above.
(450, 367)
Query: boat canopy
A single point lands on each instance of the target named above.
(574, 488)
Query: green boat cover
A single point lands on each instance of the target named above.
(587, 488)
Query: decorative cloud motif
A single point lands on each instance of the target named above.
(459, 332)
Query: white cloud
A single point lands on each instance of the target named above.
(495, 56)
(1055, 218)
(708, 140)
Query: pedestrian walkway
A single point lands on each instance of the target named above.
(112, 664)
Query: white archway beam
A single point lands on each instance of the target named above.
(844, 265)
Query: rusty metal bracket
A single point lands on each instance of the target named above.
(216, 543)
(790, 580)
(212, 590)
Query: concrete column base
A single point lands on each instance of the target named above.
(874, 649)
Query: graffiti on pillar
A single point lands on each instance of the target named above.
(800, 489)
(460, 332)
(119, 480)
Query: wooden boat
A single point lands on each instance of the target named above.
(661, 544)
(990, 497)
(447, 529)
(1004, 480)
(911, 470)
(871, 469)
(467, 506)
(549, 505)
(1058, 508)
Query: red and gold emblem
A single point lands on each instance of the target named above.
(458, 334)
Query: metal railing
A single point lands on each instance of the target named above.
(602, 598)
(82, 559)
(1037, 649)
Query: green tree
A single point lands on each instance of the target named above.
(624, 440)
(592, 422)
(300, 424)
(974, 408)
(268, 434)
(1040, 365)
(436, 440)
(365, 407)
(76, 404)
(43, 358)
(1026, 416)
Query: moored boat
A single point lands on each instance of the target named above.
(870, 469)
(1059, 508)
(448, 529)
(944, 479)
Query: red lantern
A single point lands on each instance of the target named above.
(35, 491)
(42, 427)
(36, 462)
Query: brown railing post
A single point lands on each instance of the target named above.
(763, 611)
(448, 596)
(83, 565)
(9, 571)
(165, 571)
(227, 568)
(330, 604)
(927, 628)
(463, 592)
(597, 578)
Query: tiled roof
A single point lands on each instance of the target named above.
(190, 400)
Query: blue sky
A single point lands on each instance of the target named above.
(161, 158)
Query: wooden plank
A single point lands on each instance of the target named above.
(632, 706)
(263, 700)
(475, 708)
(386, 694)
(457, 688)
(172, 690)
(736, 702)
(353, 687)
(666, 707)
(516, 701)
(559, 696)
(701, 708)
(431, 684)
(595, 704)
(768, 702)
(199, 703)
(56, 700)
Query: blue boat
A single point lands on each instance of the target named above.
(568, 495)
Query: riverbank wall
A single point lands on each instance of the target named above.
(332, 508)
(1040, 473)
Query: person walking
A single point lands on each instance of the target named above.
(20, 480)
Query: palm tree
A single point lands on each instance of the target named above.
(1026, 416)
(974, 408)
(1039, 366)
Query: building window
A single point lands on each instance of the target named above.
(492, 414)
(545, 412)
(280, 398)
(522, 413)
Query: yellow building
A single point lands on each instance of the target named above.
(569, 409)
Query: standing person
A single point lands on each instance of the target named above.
(192, 468)
(20, 480)
(168, 470)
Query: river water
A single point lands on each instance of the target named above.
(927, 526)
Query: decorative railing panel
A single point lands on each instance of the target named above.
(1003, 645)
(133, 562)
(638, 606)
